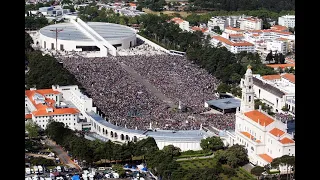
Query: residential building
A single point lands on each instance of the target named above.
(61, 104)
(287, 20)
(264, 137)
(197, 28)
(282, 66)
(224, 21)
(274, 90)
(233, 45)
(279, 45)
(184, 25)
(217, 21)
(232, 30)
(251, 23)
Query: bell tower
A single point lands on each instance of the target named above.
(247, 99)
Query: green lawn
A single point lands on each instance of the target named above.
(210, 163)
(197, 163)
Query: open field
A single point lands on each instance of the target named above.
(182, 13)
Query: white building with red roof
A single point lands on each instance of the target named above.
(276, 91)
(184, 25)
(61, 104)
(264, 137)
(236, 45)
(250, 23)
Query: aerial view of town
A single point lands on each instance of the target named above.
(159, 89)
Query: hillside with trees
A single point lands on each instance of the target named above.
(161, 162)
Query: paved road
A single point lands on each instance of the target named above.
(202, 157)
(149, 86)
(63, 156)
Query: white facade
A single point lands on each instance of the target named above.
(184, 25)
(44, 105)
(280, 46)
(287, 20)
(216, 21)
(264, 137)
(80, 36)
(251, 24)
(274, 90)
(232, 45)
(68, 105)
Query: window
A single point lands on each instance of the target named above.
(44, 45)
(52, 46)
(74, 123)
(289, 149)
(249, 98)
(61, 47)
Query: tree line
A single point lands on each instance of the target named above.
(161, 162)
(241, 5)
(46, 71)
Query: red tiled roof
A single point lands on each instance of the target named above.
(290, 77)
(28, 116)
(41, 109)
(257, 115)
(177, 20)
(233, 29)
(248, 135)
(281, 65)
(276, 132)
(227, 41)
(286, 141)
(266, 157)
(271, 77)
(279, 28)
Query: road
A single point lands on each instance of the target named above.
(149, 86)
(63, 156)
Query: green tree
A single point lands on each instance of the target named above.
(171, 150)
(119, 169)
(285, 108)
(213, 143)
(223, 88)
(282, 58)
(236, 156)
(276, 58)
(269, 57)
(27, 42)
(257, 171)
(32, 129)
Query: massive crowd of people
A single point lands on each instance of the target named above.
(125, 101)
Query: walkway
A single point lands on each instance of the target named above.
(63, 156)
(192, 158)
(149, 86)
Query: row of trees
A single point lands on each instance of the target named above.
(241, 5)
(278, 58)
(160, 162)
(46, 71)
(35, 22)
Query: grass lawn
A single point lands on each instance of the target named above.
(197, 163)
(210, 163)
